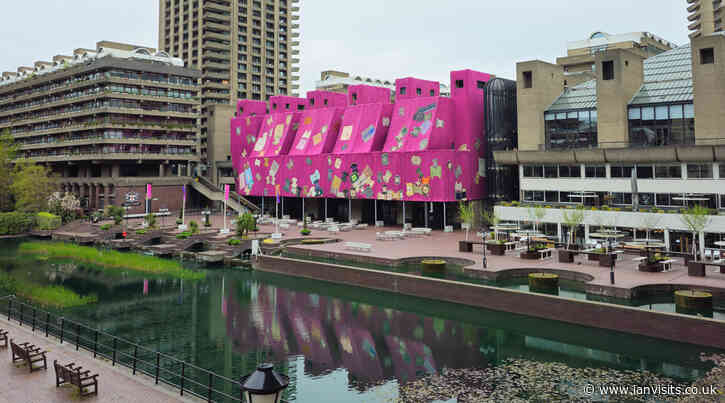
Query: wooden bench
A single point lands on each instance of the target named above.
(4, 338)
(363, 247)
(30, 354)
(73, 375)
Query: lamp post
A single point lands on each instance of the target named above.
(611, 262)
(484, 235)
(264, 385)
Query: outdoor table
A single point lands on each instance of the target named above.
(544, 253)
(667, 264)
(510, 245)
(640, 258)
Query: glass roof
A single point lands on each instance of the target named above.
(582, 96)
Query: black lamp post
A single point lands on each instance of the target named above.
(264, 385)
(484, 236)
(611, 262)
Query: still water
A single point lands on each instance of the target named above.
(337, 343)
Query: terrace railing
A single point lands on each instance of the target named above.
(187, 378)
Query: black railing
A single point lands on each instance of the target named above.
(181, 375)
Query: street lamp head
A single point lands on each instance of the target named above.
(264, 385)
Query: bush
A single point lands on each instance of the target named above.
(140, 232)
(183, 235)
(178, 221)
(105, 227)
(151, 220)
(193, 227)
(47, 221)
(515, 203)
(606, 208)
(16, 223)
(234, 242)
(305, 231)
(115, 212)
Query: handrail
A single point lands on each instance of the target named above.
(162, 367)
(206, 182)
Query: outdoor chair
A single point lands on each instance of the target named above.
(708, 254)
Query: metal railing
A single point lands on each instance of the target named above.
(186, 377)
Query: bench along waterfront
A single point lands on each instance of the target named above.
(72, 374)
(30, 354)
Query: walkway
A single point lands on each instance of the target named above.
(115, 384)
(446, 245)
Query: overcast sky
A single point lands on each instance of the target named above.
(384, 39)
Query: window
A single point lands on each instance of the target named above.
(622, 198)
(551, 196)
(325, 102)
(300, 107)
(570, 171)
(418, 91)
(668, 171)
(595, 171)
(286, 106)
(432, 93)
(312, 101)
(662, 125)
(699, 171)
(533, 195)
(550, 171)
(402, 90)
(573, 129)
(533, 171)
(459, 83)
(622, 171)
(528, 79)
(722, 170)
(722, 201)
(608, 70)
(707, 56)
(354, 98)
(646, 199)
(645, 172)
(480, 84)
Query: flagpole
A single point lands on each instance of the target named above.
(183, 207)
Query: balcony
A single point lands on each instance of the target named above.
(222, 76)
(213, 65)
(216, 7)
(215, 35)
(100, 140)
(214, 25)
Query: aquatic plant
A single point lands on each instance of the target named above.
(110, 259)
(48, 295)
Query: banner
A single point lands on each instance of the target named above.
(226, 192)
(148, 191)
(184, 194)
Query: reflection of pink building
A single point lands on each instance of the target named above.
(359, 146)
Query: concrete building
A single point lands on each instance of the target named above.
(705, 17)
(108, 121)
(244, 48)
(340, 81)
(644, 135)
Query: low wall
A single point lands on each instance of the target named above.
(675, 327)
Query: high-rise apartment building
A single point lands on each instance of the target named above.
(108, 121)
(705, 17)
(244, 48)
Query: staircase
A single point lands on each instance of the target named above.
(211, 192)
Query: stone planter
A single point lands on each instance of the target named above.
(592, 256)
(695, 269)
(566, 256)
(650, 267)
(496, 249)
(693, 302)
(546, 283)
(529, 255)
(433, 266)
(608, 260)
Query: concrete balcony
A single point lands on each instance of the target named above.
(220, 76)
(215, 25)
(216, 7)
(215, 35)
(112, 156)
(213, 65)
(84, 142)
(128, 180)
(215, 45)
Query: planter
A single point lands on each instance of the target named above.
(693, 302)
(546, 283)
(608, 260)
(650, 267)
(592, 256)
(433, 266)
(566, 256)
(695, 269)
(496, 249)
(530, 255)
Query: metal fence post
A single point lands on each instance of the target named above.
(208, 397)
(95, 344)
(113, 361)
(47, 320)
(20, 320)
(135, 354)
(62, 325)
(158, 359)
(182, 378)
(33, 319)
(78, 335)
(10, 307)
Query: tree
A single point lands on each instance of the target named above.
(696, 219)
(466, 215)
(537, 214)
(650, 221)
(32, 186)
(245, 223)
(67, 206)
(572, 219)
(490, 218)
(7, 154)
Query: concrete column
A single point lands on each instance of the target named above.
(115, 170)
(701, 241)
(667, 240)
(586, 233)
(162, 170)
(558, 231)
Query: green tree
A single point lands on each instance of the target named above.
(466, 215)
(696, 218)
(245, 223)
(572, 219)
(537, 214)
(7, 154)
(31, 186)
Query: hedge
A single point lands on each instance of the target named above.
(16, 223)
(48, 221)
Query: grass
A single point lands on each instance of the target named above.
(47, 295)
(110, 259)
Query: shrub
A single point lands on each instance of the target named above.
(140, 232)
(151, 220)
(114, 212)
(105, 227)
(47, 221)
(606, 208)
(305, 231)
(193, 227)
(178, 221)
(234, 242)
(183, 235)
(16, 223)
(515, 203)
